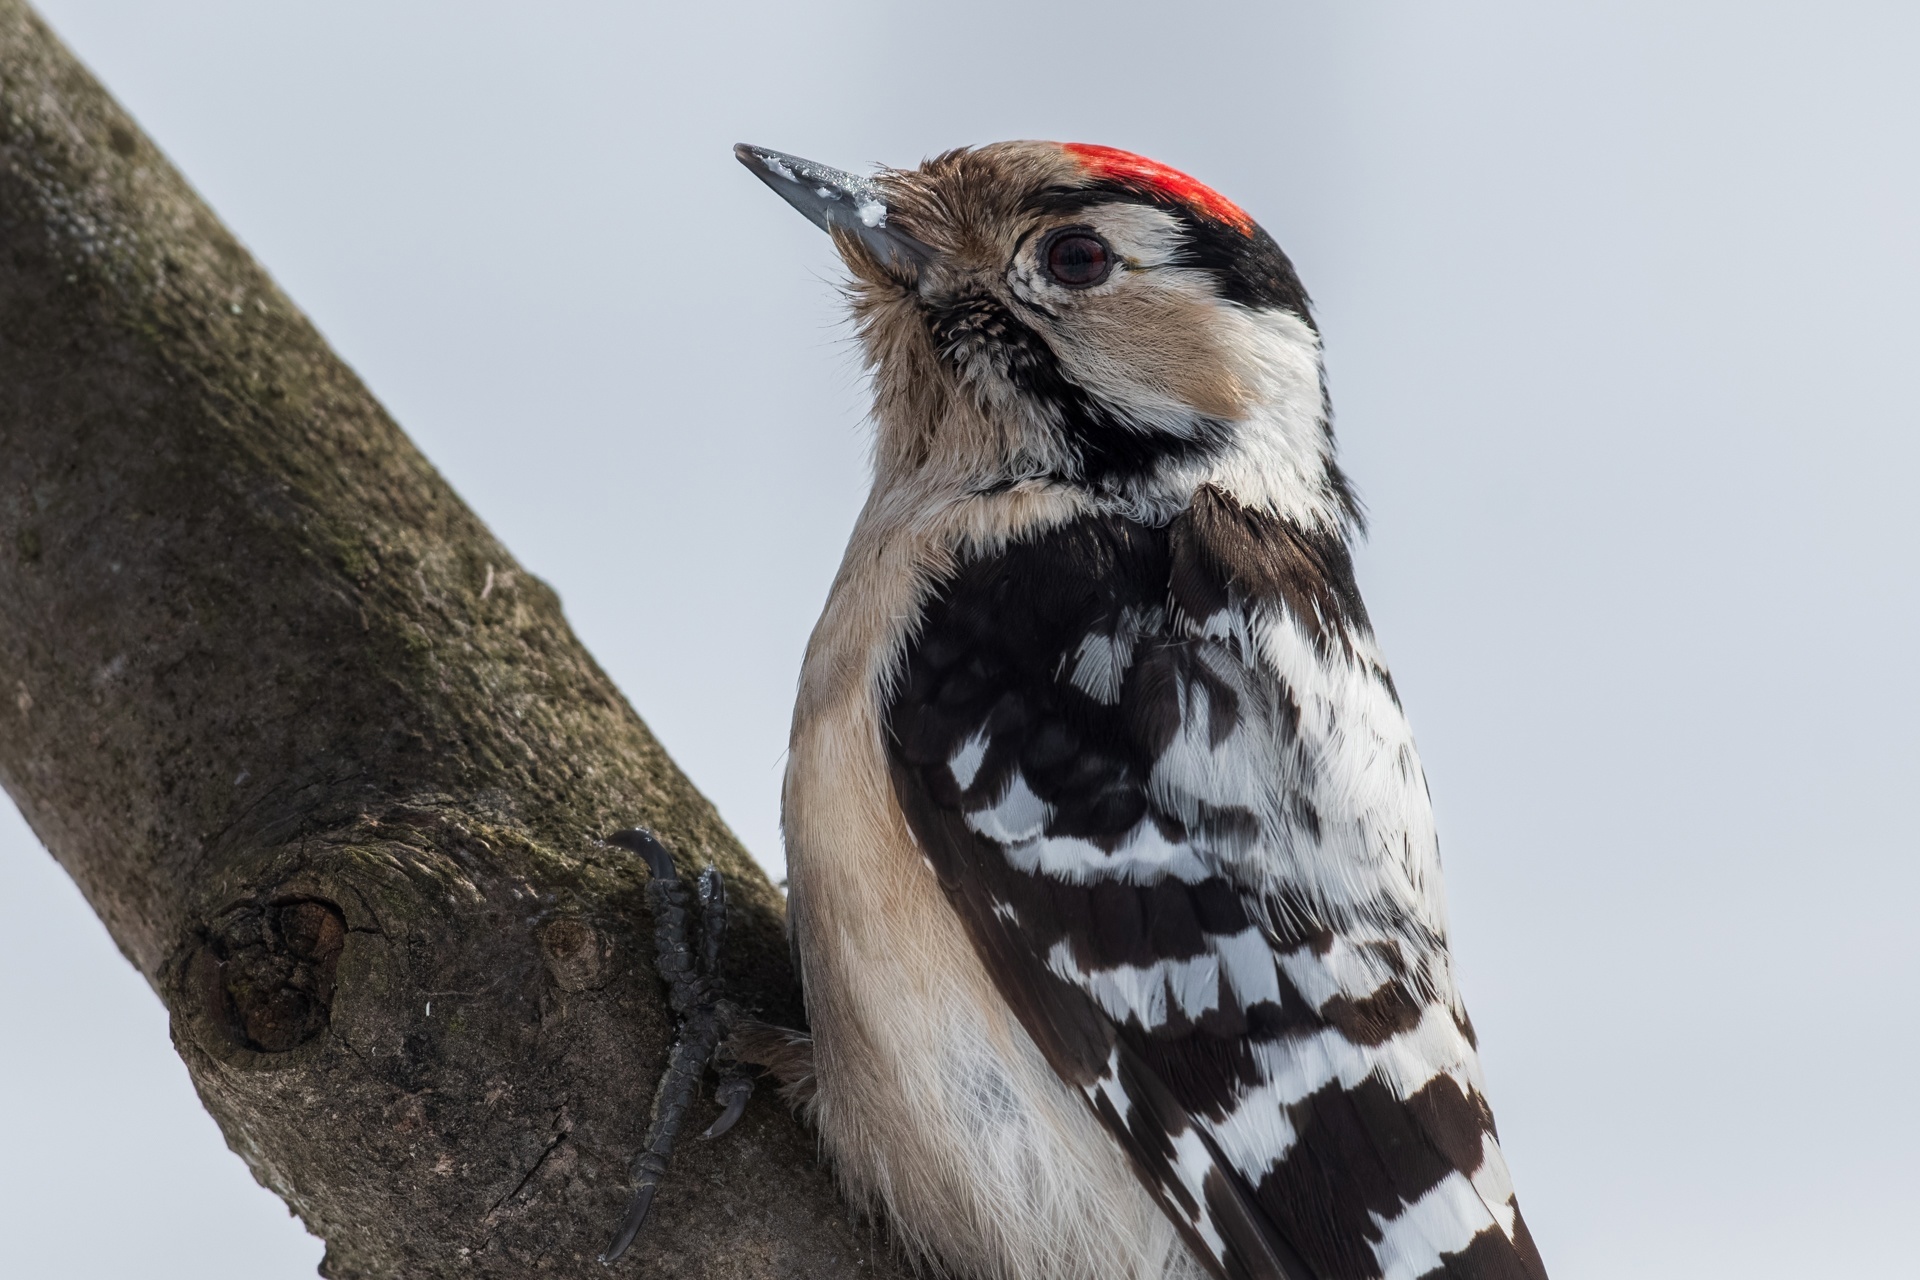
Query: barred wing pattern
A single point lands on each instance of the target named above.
(1165, 781)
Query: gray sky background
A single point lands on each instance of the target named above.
(1620, 305)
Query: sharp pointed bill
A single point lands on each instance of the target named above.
(830, 198)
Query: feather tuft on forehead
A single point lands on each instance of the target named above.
(1150, 177)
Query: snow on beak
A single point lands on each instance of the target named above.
(831, 198)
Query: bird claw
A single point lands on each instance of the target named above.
(733, 1093)
(631, 1224)
(706, 1018)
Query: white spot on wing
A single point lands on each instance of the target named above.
(1142, 992)
(1253, 1137)
(1248, 962)
(1132, 992)
(1355, 972)
(1494, 1184)
(1444, 1220)
(1020, 815)
(1191, 1161)
(965, 765)
(1145, 857)
(1191, 1157)
(1100, 664)
(1296, 1067)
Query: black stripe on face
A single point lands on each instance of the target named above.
(977, 335)
(1247, 267)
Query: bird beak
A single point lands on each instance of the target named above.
(830, 199)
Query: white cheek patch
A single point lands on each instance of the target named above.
(1141, 385)
(1277, 456)
(1107, 337)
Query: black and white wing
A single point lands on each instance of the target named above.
(1166, 783)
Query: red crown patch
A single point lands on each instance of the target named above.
(1115, 165)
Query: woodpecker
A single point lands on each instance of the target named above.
(1114, 882)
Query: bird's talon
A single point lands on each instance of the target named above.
(631, 1224)
(733, 1094)
(706, 1018)
(651, 851)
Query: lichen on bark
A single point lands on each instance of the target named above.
(330, 766)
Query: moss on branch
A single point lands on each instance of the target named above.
(330, 765)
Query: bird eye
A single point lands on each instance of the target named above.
(1078, 259)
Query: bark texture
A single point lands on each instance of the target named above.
(331, 767)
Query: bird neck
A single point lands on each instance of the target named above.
(947, 435)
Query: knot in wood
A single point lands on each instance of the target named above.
(579, 956)
(267, 972)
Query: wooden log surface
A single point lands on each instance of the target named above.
(331, 767)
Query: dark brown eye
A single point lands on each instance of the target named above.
(1078, 259)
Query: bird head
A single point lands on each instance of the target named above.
(1067, 314)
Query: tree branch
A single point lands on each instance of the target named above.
(331, 767)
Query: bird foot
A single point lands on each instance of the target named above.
(707, 1019)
